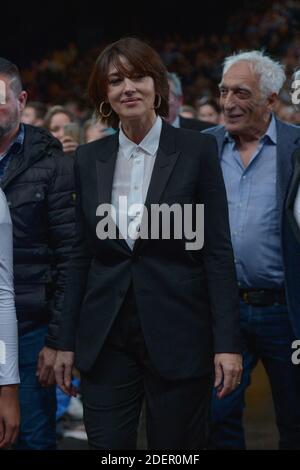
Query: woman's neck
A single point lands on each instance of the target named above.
(137, 130)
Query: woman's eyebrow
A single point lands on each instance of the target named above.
(113, 74)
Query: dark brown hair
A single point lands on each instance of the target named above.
(142, 58)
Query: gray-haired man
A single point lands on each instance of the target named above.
(256, 153)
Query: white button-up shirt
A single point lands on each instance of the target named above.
(131, 180)
(9, 373)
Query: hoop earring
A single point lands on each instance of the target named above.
(159, 102)
(101, 112)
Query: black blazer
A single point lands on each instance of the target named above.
(187, 300)
(195, 124)
(295, 182)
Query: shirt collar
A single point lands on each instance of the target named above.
(149, 143)
(270, 134)
(176, 122)
(17, 144)
(271, 131)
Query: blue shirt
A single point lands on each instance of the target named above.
(253, 212)
(14, 148)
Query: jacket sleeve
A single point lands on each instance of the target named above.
(77, 275)
(61, 221)
(218, 253)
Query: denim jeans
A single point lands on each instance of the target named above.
(38, 404)
(267, 335)
(63, 400)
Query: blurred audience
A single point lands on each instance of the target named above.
(188, 111)
(62, 125)
(208, 110)
(60, 78)
(93, 130)
(34, 113)
(175, 103)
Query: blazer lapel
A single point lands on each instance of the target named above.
(105, 168)
(287, 142)
(164, 164)
(295, 179)
(292, 193)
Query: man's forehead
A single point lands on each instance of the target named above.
(240, 72)
(5, 82)
(4, 78)
(237, 84)
(3, 87)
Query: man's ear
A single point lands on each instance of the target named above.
(272, 100)
(22, 98)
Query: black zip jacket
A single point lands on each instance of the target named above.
(39, 188)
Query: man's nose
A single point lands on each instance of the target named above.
(228, 101)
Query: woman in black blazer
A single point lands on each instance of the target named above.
(147, 313)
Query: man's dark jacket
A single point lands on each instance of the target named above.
(39, 189)
(194, 124)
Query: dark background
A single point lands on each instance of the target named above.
(29, 30)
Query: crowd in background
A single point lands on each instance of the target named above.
(57, 85)
(61, 77)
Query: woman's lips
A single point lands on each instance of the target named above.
(130, 101)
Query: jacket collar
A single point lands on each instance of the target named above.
(37, 142)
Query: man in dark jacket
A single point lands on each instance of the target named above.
(38, 182)
(175, 103)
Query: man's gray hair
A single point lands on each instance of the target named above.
(173, 78)
(271, 73)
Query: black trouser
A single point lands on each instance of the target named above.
(113, 392)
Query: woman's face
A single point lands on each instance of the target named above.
(57, 124)
(208, 113)
(132, 98)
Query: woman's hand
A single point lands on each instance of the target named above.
(228, 373)
(63, 372)
(69, 144)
